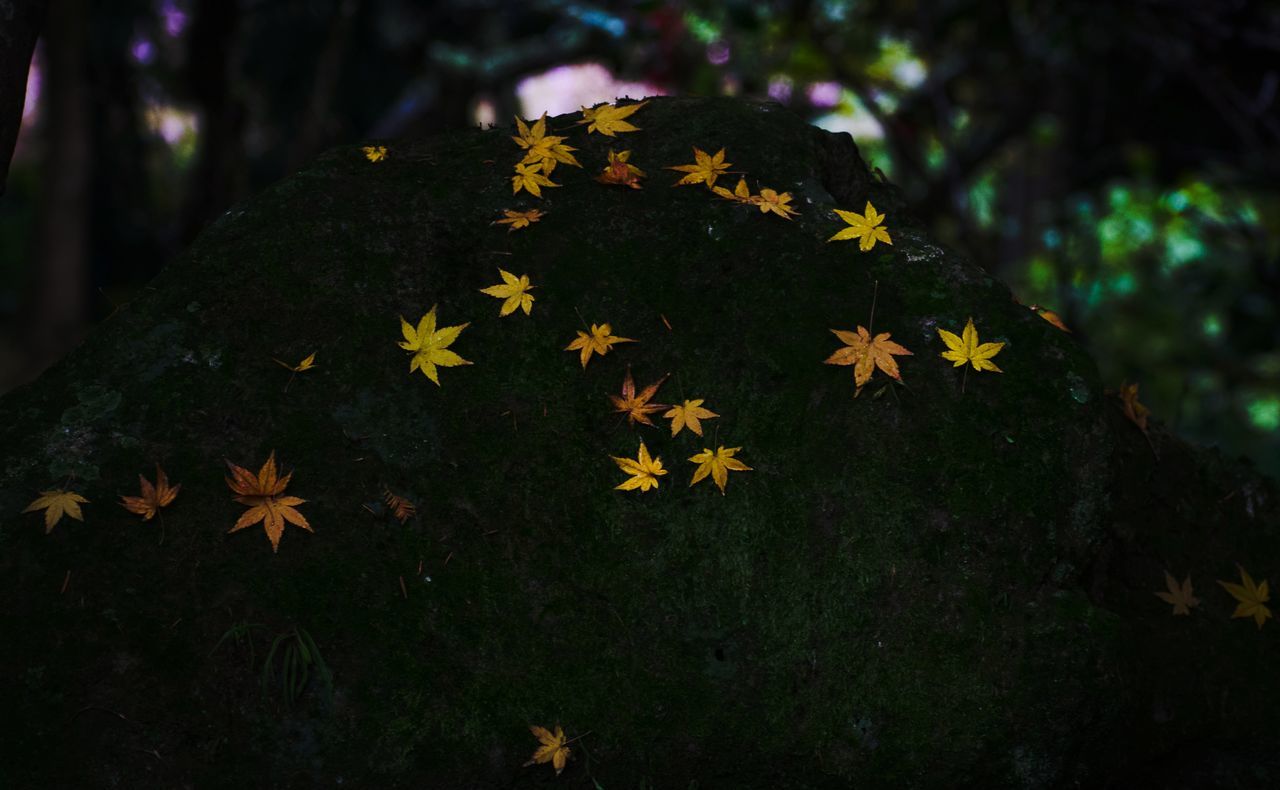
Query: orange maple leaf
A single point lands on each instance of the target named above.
(401, 508)
(620, 171)
(262, 494)
(637, 407)
(866, 354)
(153, 497)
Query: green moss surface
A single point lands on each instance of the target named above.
(946, 582)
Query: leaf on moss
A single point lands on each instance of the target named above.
(864, 227)
(866, 354)
(689, 415)
(515, 290)
(531, 179)
(609, 119)
(771, 202)
(705, 169)
(1251, 598)
(153, 497)
(543, 149)
(644, 470)
(375, 153)
(600, 341)
(717, 464)
(740, 194)
(519, 219)
(637, 407)
(553, 749)
(55, 504)
(262, 494)
(619, 171)
(967, 349)
(430, 346)
(1179, 596)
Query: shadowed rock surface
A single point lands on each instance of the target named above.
(938, 584)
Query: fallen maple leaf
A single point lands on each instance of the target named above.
(262, 494)
(968, 349)
(717, 465)
(620, 172)
(553, 749)
(375, 153)
(401, 508)
(531, 179)
(740, 194)
(55, 503)
(1252, 598)
(637, 407)
(1135, 411)
(864, 228)
(1180, 597)
(600, 341)
(519, 219)
(644, 471)
(543, 149)
(430, 346)
(609, 119)
(515, 290)
(705, 169)
(866, 354)
(1051, 317)
(308, 362)
(688, 415)
(153, 497)
(773, 202)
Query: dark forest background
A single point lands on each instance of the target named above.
(1118, 162)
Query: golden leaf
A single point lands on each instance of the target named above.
(705, 169)
(1180, 597)
(717, 465)
(637, 407)
(553, 749)
(600, 341)
(261, 493)
(55, 504)
(430, 346)
(740, 194)
(968, 349)
(308, 362)
(688, 415)
(515, 290)
(375, 153)
(773, 202)
(531, 179)
(519, 219)
(864, 228)
(620, 171)
(1252, 598)
(609, 119)
(153, 497)
(866, 354)
(644, 471)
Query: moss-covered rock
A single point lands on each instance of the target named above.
(945, 582)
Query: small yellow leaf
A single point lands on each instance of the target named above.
(967, 349)
(515, 290)
(1179, 596)
(717, 464)
(864, 227)
(1252, 598)
(644, 471)
(609, 119)
(688, 415)
(531, 179)
(705, 169)
(430, 346)
(600, 341)
(519, 219)
(55, 504)
(553, 749)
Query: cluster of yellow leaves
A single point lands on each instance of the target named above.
(55, 504)
(430, 346)
(153, 497)
(543, 149)
(609, 119)
(515, 290)
(600, 341)
(1251, 598)
(866, 353)
(263, 495)
(620, 171)
(375, 153)
(865, 227)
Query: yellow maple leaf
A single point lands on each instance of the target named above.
(620, 171)
(717, 464)
(773, 202)
(705, 169)
(55, 504)
(308, 362)
(644, 470)
(515, 290)
(530, 179)
(519, 219)
(261, 493)
(553, 749)
(689, 415)
(864, 228)
(1252, 598)
(1135, 411)
(430, 346)
(866, 354)
(609, 119)
(541, 148)
(600, 341)
(153, 497)
(1179, 596)
(740, 194)
(375, 153)
(968, 349)
(637, 407)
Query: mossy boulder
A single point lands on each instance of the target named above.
(944, 582)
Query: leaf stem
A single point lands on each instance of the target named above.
(871, 320)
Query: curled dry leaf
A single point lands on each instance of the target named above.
(263, 495)
(401, 508)
(55, 504)
(153, 497)
(637, 407)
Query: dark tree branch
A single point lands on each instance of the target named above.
(20, 23)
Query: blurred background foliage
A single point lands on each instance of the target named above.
(1118, 162)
